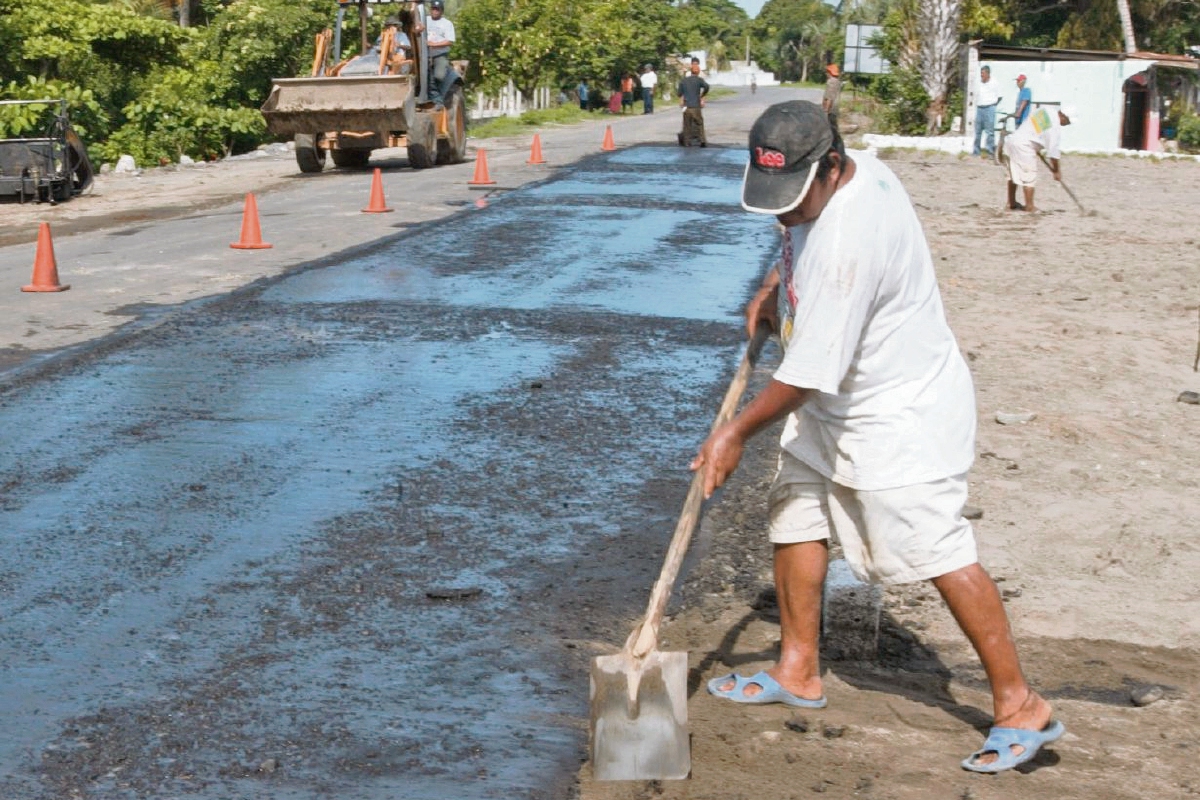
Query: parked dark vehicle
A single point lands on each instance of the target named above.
(47, 168)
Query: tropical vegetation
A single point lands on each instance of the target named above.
(161, 79)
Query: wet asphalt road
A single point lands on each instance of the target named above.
(356, 532)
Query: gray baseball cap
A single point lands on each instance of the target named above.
(787, 142)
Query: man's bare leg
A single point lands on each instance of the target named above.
(1029, 198)
(1013, 205)
(975, 603)
(799, 581)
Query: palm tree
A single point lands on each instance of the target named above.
(1126, 26)
(938, 24)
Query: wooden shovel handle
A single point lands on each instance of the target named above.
(645, 637)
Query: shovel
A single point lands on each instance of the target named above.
(1063, 184)
(639, 695)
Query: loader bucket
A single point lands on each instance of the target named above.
(344, 103)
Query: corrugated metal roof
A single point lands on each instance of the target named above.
(1006, 52)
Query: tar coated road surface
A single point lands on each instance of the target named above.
(356, 531)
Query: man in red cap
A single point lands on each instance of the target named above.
(880, 420)
(1024, 101)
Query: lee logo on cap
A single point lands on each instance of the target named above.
(772, 159)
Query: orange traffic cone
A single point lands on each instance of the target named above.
(608, 139)
(481, 171)
(251, 233)
(377, 206)
(45, 268)
(535, 151)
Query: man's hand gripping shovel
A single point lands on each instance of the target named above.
(639, 695)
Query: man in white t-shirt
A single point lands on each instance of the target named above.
(880, 419)
(987, 97)
(648, 79)
(439, 38)
(1041, 130)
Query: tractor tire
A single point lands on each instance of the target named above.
(422, 141)
(350, 159)
(309, 157)
(453, 149)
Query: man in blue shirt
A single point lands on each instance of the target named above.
(1024, 101)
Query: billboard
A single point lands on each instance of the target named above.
(860, 56)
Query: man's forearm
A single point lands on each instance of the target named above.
(771, 279)
(772, 404)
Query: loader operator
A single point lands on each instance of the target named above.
(401, 45)
(398, 61)
(440, 32)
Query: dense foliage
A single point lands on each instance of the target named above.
(539, 42)
(138, 82)
(164, 78)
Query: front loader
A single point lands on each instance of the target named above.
(349, 107)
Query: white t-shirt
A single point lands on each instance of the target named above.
(986, 94)
(649, 79)
(439, 30)
(1042, 129)
(864, 327)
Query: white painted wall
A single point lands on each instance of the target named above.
(740, 73)
(1093, 87)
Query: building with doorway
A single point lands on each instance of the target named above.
(1125, 101)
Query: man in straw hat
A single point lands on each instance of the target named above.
(880, 419)
(1042, 130)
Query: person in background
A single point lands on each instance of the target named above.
(986, 98)
(582, 91)
(401, 53)
(692, 90)
(649, 81)
(440, 38)
(627, 83)
(833, 90)
(614, 101)
(1041, 130)
(1024, 102)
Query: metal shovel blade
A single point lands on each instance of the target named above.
(639, 717)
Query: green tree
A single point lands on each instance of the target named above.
(792, 37)
(253, 41)
(537, 43)
(715, 26)
(1162, 26)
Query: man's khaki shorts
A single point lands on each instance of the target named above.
(912, 533)
(1022, 163)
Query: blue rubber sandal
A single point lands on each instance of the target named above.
(771, 692)
(1001, 742)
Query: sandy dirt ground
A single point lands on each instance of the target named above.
(1088, 321)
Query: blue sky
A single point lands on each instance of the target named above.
(751, 7)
